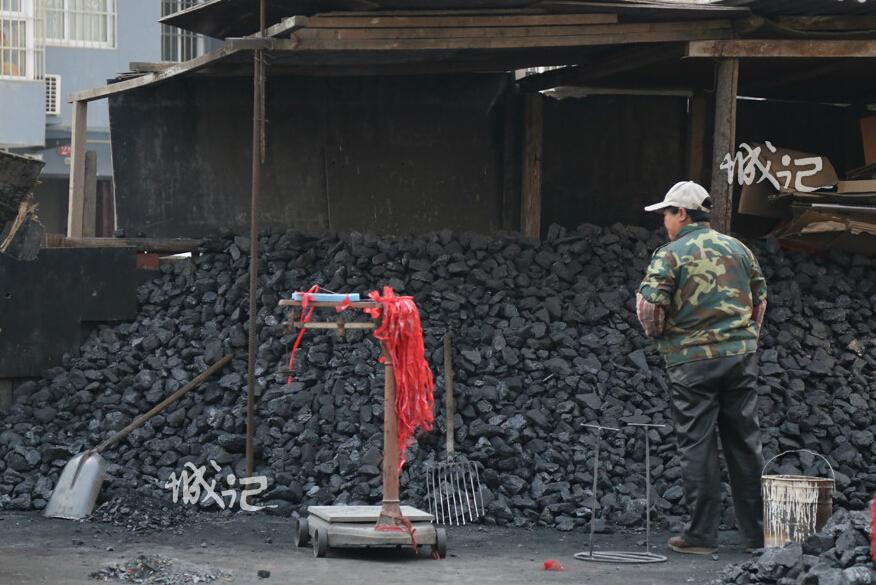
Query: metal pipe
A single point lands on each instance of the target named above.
(258, 129)
(595, 479)
(647, 492)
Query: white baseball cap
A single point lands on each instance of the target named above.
(686, 195)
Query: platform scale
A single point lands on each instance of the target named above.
(328, 527)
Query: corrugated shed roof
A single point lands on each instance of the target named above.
(234, 18)
(806, 7)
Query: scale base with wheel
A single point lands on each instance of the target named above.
(328, 527)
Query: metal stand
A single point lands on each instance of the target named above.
(621, 557)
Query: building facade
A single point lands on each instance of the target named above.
(52, 48)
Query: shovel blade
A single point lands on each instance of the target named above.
(77, 488)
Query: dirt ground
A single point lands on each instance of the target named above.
(34, 549)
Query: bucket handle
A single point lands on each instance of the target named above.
(829, 466)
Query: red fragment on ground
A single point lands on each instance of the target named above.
(552, 565)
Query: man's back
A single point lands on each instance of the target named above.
(708, 284)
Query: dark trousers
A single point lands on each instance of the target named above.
(706, 394)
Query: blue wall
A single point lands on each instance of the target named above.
(138, 39)
(25, 122)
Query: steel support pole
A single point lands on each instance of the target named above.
(258, 130)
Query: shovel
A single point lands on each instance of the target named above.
(452, 487)
(77, 488)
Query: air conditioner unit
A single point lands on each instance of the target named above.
(53, 91)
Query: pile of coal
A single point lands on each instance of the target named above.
(837, 555)
(545, 340)
(143, 513)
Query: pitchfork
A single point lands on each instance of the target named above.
(453, 487)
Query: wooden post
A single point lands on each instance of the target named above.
(76, 200)
(696, 137)
(533, 146)
(724, 142)
(511, 163)
(391, 505)
(89, 204)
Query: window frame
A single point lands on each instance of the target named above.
(112, 29)
(24, 14)
(178, 40)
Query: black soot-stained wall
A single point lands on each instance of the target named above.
(404, 154)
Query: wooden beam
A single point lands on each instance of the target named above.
(149, 66)
(525, 20)
(150, 78)
(76, 199)
(285, 27)
(696, 136)
(620, 62)
(829, 23)
(159, 245)
(455, 32)
(89, 203)
(781, 49)
(724, 142)
(326, 39)
(533, 148)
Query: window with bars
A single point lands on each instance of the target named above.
(81, 23)
(21, 41)
(53, 90)
(178, 44)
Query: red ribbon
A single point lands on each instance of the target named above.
(306, 314)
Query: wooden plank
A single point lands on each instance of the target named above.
(284, 27)
(149, 67)
(89, 205)
(781, 49)
(150, 78)
(828, 22)
(500, 32)
(363, 513)
(76, 200)
(458, 21)
(533, 147)
(696, 136)
(169, 246)
(724, 142)
(453, 33)
(658, 34)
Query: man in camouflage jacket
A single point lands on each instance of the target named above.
(703, 300)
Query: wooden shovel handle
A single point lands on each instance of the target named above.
(448, 391)
(141, 420)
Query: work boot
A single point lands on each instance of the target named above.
(680, 545)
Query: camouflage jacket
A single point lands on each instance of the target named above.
(708, 284)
